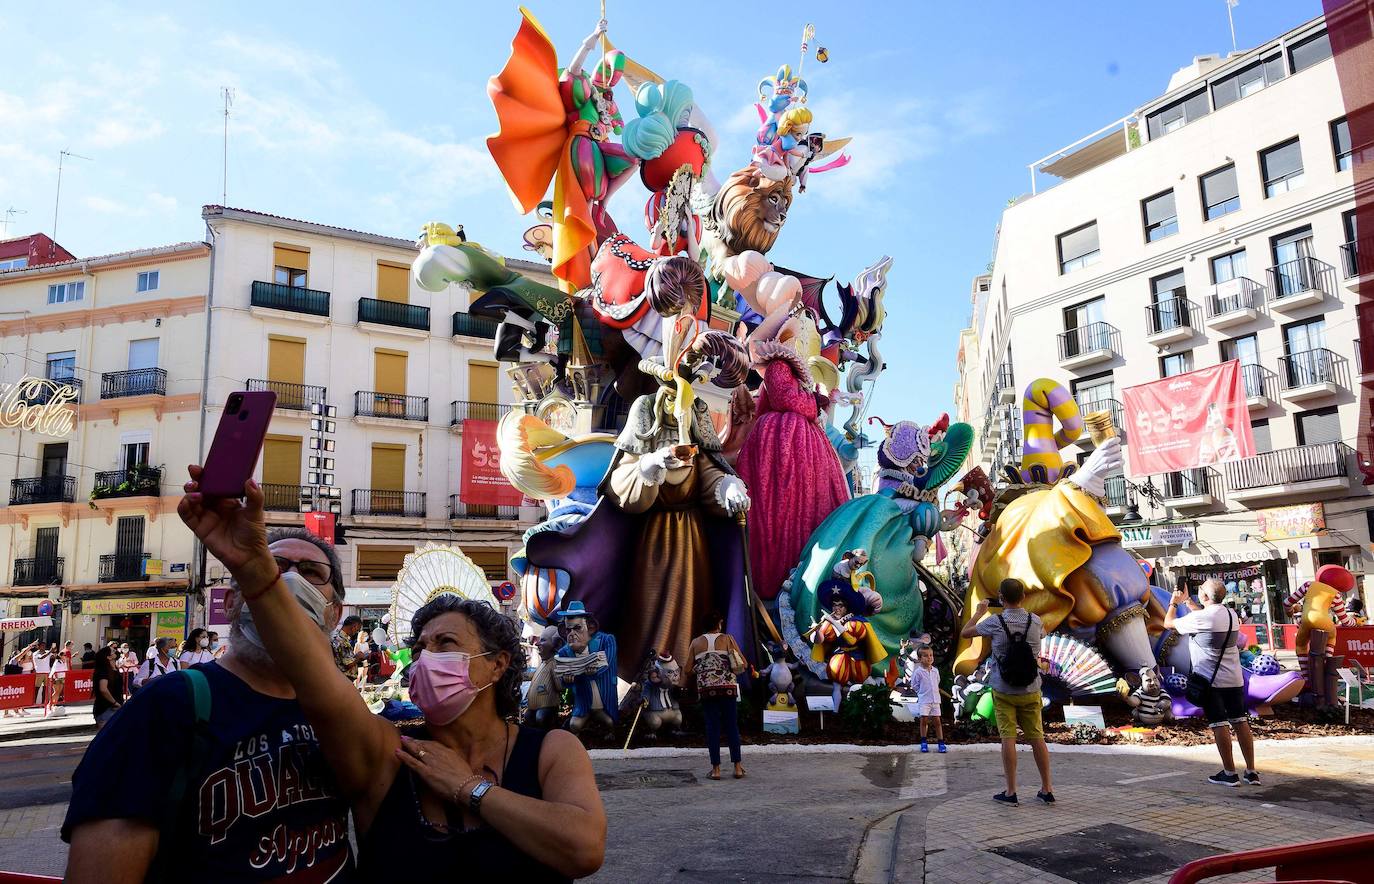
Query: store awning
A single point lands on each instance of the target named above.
(1227, 558)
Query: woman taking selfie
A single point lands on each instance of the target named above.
(479, 797)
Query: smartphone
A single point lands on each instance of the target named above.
(238, 443)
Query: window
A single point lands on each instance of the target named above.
(1168, 307)
(1175, 363)
(1161, 219)
(381, 562)
(1318, 426)
(1348, 225)
(55, 459)
(143, 354)
(61, 366)
(134, 454)
(1259, 431)
(493, 562)
(1305, 359)
(1340, 144)
(1220, 196)
(1300, 337)
(1228, 266)
(148, 280)
(1293, 273)
(1078, 247)
(1247, 81)
(1094, 393)
(14, 263)
(1310, 51)
(1177, 115)
(290, 264)
(1281, 167)
(66, 292)
(393, 282)
(1245, 348)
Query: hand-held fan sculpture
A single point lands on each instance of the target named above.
(428, 573)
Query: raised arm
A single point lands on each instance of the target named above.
(360, 746)
(580, 58)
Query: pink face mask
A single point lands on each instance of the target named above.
(440, 685)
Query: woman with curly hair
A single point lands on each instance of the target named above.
(472, 796)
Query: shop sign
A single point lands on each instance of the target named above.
(80, 686)
(219, 611)
(1287, 522)
(1225, 576)
(1176, 535)
(1135, 536)
(17, 691)
(23, 624)
(176, 568)
(19, 408)
(133, 605)
(153, 567)
(170, 624)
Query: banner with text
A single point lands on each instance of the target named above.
(80, 686)
(482, 479)
(1195, 419)
(17, 691)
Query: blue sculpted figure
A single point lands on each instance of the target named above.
(587, 664)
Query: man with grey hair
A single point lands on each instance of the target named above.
(1214, 642)
(240, 788)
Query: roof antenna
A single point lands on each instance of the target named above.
(1232, 4)
(9, 218)
(57, 202)
(227, 94)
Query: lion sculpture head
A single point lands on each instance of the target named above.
(749, 211)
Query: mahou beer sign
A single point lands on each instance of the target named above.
(38, 405)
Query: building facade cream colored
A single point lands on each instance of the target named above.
(1214, 223)
(327, 316)
(90, 523)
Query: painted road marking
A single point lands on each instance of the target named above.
(1158, 776)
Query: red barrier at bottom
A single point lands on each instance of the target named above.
(17, 691)
(1337, 859)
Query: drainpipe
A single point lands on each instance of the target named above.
(19, 446)
(197, 581)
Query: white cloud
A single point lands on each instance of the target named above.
(105, 206)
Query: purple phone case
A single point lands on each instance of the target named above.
(238, 444)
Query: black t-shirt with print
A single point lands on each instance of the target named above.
(263, 808)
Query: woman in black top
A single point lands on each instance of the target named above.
(479, 798)
(107, 687)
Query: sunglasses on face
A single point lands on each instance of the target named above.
(316, 573)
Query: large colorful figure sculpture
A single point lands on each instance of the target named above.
(1312, 606)
(587, 663)
(662, 549)
(555, 126)
(544, 697)
(794, 477)
(844, 641)
(660, 695)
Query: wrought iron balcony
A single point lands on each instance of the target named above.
(1174, 313)
(1312, 367)
(1234, 295)
(393, 313)
(1259, 381)
(1089, 343)
(1006, 383)
(459, 510)
(293, 397)
(1112, 407)
(42, 394)
(1190, 483)
(1357, 258)
(121, 567)
(379, 502)
(278, 498)
(1287, 466)
(139, 481)
(473, 326)
(392, 405)
(44, 489)
(476, 411)
(134, 382)
(45, 571)
(1116, 491)
(289, 297)
(1303, 279)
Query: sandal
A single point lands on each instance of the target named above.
(713, 775)
(739, 774)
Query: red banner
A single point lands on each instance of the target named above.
(1355, 643)
(80, 686)
(481, 466)
(1196, 419)
(17, 691)
(321, 525)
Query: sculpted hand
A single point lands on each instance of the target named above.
(1103, 462)
(233, 531)
(734, 497)
(442, 769)
(653, 467)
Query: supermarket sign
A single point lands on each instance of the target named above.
(134, 605)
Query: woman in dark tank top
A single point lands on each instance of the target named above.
(473, 796)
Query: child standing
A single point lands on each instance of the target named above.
(926, 682)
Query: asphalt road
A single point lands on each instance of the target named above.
(1131, 815)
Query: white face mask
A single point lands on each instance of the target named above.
(303, 591)
(204, 643)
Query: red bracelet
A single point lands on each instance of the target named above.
(260, 593)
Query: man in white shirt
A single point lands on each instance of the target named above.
(1214, 642)
(42, 665)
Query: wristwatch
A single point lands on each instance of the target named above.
(475, 797)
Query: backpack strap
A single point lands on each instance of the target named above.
(1010, 637)
(175, 817)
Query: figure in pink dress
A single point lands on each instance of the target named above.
(791, 470)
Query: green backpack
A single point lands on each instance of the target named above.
(171, 831)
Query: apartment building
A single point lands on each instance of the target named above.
(331, 321)
(93, 442)
(1216, 222)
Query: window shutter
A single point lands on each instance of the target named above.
(285, 360)
(393, 283)
(294, 257)
(388, 467)
(281, 460)
(1160, 208)
(1077, 243)
(493, 562)
(390, 372)
(482, 382)
(1220, 186)
(1282, 160)
(1259, 430)
(1316, 427)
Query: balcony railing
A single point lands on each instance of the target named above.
(1309, 367)
(1308, 463)
(1357, 257)
(1290, 278)
(1169, 313)
(44, 489)
(290, 297)
(1089, 338)
(42, 394)
(378, 502)
(459, 510)
(1240, 293)
(278, 498)
(141, 481)
(392, 405)
(120, 567)
(1258, 380)
(38, 572)
(1116, 491)
(476, 411)
(393, 313)
(1006, 381)
(294, 397)
(134, 382)
(1190, 483)
(474, 326)
(1112, 406)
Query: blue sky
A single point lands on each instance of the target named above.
(350, 115)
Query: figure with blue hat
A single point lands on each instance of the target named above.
(587, 664)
